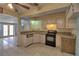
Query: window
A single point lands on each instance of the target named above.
(25, 24)
(36, 24)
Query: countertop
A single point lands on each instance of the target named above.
(67, 35)
(34, 32)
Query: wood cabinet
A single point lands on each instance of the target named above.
(58, 40)
(68, 45)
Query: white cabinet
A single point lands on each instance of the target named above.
(42, 38)
(26, 40)
(23, 39)
(36, 38)
(58, 40)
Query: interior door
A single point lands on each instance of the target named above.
(5, 30)
(11, 29)
(8, 30)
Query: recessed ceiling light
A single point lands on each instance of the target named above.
(10, 5)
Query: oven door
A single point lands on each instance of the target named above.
(51, 40)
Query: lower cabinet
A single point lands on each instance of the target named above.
(68, 45)
(29, 41)
(43, 39)
(58, 40)
(36, 38)
(39, 38)
(23, 39)
(26, 40)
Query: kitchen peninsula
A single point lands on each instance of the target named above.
(33, 37)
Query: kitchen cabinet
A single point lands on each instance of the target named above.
(68, 41)
(32, 37)
(36, 38)
(39, 38)
(26, 40)
(43, 38)
(29, 39)
(68, 45)
(23, 39)
(58, 40)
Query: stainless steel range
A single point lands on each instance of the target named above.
(51, 38)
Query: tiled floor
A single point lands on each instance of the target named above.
(8, 48)
(44, 50)
(8, 42)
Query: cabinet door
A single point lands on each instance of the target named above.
(29, 41)
(26, 41)
(43, 39)
(58, 41)
(36, 38)
(23, 38)
(68, 45)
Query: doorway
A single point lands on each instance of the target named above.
(8, 30)
(8, 34)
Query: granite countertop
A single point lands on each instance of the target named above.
(68, 37)
(67, 34)
(33, 32)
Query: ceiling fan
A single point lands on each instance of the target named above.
(15, 6)
(24, 6)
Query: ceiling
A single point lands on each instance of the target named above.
(32, 9)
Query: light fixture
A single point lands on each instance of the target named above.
(10, 5)
(51, 26)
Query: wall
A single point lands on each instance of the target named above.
(57, 19)
(8, 18)
(77, 36)
(60, 21)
